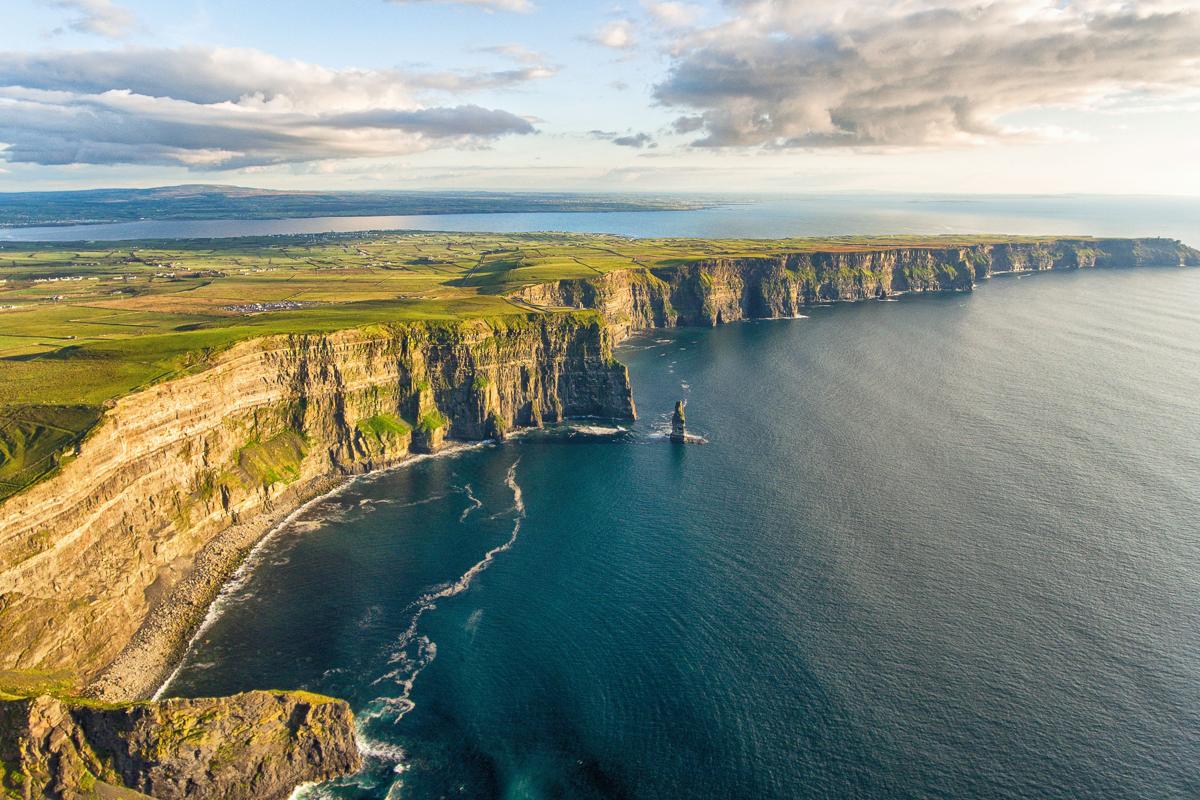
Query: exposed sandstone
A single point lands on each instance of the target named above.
(719, 290)
(86, 556)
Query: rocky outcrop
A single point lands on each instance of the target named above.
(679, 424)
(719, 290)
(253, 746)
(86, 556)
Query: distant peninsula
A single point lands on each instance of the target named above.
(204, 201)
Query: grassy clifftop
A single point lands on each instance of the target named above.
(84, 324)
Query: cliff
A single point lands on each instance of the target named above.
(108, 566)
(138, 531)
(719, 290)
(253, 746)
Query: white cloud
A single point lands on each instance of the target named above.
(817, 73)
(230, 108)
(522, 6)
(674, 14)
(617, 34)
(99, 17)
(515, 52)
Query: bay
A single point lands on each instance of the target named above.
(945, 547)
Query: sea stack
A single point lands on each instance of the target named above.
(679, 424)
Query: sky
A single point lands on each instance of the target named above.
(779, 96)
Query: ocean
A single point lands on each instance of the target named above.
(941, 547)
(761, 218)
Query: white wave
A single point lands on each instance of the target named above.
(302, 791)
(598, 430)
(233, 586)
(476, 504)
(426, 501)
(237, 582)
(409, 664)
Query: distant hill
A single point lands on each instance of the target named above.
(202, 201)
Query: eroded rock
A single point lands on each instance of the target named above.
(252, 746)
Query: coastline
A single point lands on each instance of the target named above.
(146, 666)
(142, 667)
(693, 297)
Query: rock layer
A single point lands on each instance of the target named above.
(714, 291)
(679, 424)
(86, 555)
(253, 746)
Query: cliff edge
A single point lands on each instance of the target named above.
(713, 291)
(108, 566)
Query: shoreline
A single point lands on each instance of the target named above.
(141, 668)
(153, 654)
(149, 662)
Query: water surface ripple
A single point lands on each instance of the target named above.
(938, 548)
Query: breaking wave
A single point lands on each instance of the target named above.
(414, 651)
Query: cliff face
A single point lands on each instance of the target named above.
(86, 556)
(256, 746)
(714, 291)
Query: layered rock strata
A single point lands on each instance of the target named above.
(87, 555)
(713, 291)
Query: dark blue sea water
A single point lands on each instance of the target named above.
(937, 548)
(762, 218)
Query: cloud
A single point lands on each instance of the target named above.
(99, 17)
(522, 6)
(674, 14)
(617, 34)
(818, 73)
(227, 108)
(638, 140)
(514, 52)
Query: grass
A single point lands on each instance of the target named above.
(382, 429)
(431, 421)
(276, 460)
(15, 684)
(33, 440)
(84, 324)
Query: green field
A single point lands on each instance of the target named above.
(85, 324)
